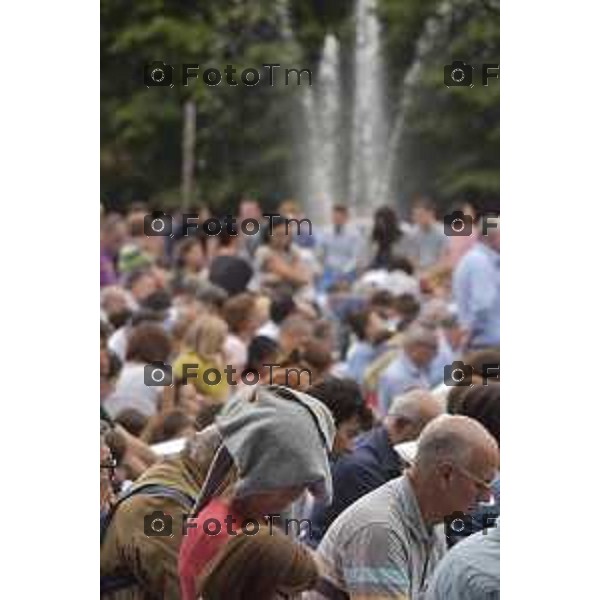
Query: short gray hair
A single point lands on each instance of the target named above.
(418, 335)
(442, 441)
(408, 405)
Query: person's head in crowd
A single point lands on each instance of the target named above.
(210, 296)
(457, 459)
(116, 305)
(110, 368)
(172, 425)
(241, 315)
(384, 303)
(480, 402)
(409, 413)
(152, 245)
(385, 227)
(250, 209)
(265, 566)
(368, 326)
(141, 284)
(279, 235)
(184, 298)
(420, 345)
(262, 351)
(408, 309)
(340, 216)
(132, 420)
(489, 226)
(294, 332)
(113, 233)
(324, 334)
(315, 357)
(281, 307)
(158, 302)
(190, 256)
(133, 258)
(344, 399)
(147, 343)
(206, 337)
(423, 212)
(437, 282)
(485, 365)
(399, 263)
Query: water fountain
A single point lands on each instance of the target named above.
(368, 174)
(322, 107)
(368, 129)
(434, 26)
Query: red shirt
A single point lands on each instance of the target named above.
(198, 547)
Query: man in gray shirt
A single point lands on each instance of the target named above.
(388, 543)
(471, 570)
(426, 243)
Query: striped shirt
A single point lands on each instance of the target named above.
(380, 546)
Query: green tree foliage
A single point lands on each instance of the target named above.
(246, 135)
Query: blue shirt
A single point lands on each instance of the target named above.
(372, 463)
(470, 571)
(360, 356)
(341, 250)
(476, 291)
(400, 376)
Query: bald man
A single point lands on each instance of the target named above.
(388, 543)
(374, 461)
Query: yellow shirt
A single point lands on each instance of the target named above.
(196, 368)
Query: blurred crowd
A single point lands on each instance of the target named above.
(302, 411)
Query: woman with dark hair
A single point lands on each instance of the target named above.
(388, 240)
(147, 343)
(189, 259)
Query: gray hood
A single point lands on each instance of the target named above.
(278, 438)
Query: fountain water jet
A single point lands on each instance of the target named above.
(368, 127)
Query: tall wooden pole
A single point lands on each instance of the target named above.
(188, 153)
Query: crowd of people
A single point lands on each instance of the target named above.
(300, 411)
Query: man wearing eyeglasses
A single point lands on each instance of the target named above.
(388, 543)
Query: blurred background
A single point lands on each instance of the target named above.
(376, 126)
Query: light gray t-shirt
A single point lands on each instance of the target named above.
(470, 571)
(380, 546)
(425, 247)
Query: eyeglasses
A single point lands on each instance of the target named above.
(481, 483)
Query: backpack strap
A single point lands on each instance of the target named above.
(113, 583)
